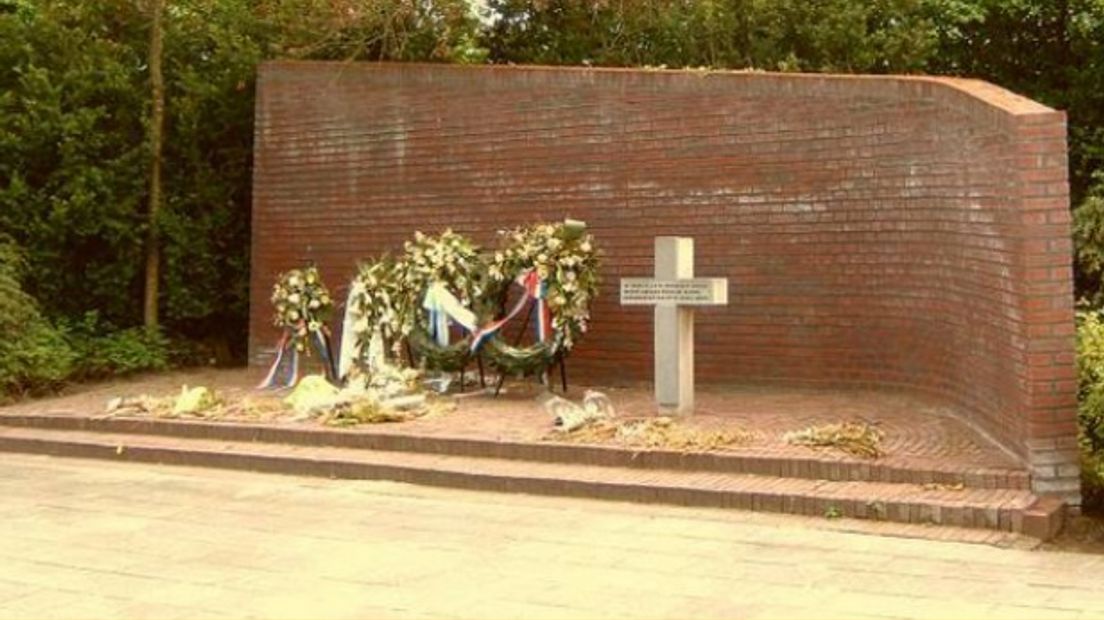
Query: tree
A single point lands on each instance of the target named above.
(156, 128)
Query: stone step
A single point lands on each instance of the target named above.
(999, 509)
(816, 466)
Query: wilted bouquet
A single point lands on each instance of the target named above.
(564, 256)
(303, 305)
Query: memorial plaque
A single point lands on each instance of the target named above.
(690, 292)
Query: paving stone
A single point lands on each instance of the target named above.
(395, 551)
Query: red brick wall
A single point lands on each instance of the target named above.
(876, 231)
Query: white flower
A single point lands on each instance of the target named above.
(314, 304)
(293, 315)
(293, 281)
(314, 326)
(293, 298)
(585, 246)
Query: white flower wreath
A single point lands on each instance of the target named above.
(564, 256)
(449, 265)
(303, 304)
(376, 304)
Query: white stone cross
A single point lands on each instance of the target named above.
(674, 292)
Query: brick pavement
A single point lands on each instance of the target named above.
(94, 539)
(918, 431)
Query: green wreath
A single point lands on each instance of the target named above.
(449, 259)
(564, 256)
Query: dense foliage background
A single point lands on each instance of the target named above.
(74, 109)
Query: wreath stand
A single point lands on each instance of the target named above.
(545, 380)
(463, 367)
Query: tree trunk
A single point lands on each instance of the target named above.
(157, 122)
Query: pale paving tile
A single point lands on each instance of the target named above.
(207, 542)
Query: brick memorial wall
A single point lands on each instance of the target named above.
(876, 231)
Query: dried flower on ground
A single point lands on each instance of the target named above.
(855, 438)
(656, 433)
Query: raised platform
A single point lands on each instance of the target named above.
(936, 470)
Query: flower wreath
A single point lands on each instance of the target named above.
(557, 265)
(375, 303)
(303, 304)
(442, 281)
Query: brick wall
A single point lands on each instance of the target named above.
(876, 231)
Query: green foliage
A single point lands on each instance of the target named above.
(790, 35)
(102, 351)
(33, 355)
(1088, 236)
(39, 360)
(73, 152)
(1092, 481)
(1090, 407)
(1090, 378)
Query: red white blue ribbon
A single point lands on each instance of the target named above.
(273, 379)
(443, 308)
(284, 371)
(535, 290)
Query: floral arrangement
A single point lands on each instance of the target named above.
(377, 303)
(449, 259)
(564, 256)
(303, 305)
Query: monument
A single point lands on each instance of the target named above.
(675, 292)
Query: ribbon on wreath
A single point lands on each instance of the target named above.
(284, 371)
(535, 290)
(349, 348)
(320, 338)
(443, 307)
(286, 356)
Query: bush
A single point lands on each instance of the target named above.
(1092, 482)
(102, 351)
(34, 357)
(39, 360)
(1090, 408)
(1090, 379)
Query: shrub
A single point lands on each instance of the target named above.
(34, 356)
(103, 351)
(1090, 408)
(1092, 482)
(1090, 379)
(39, 360)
